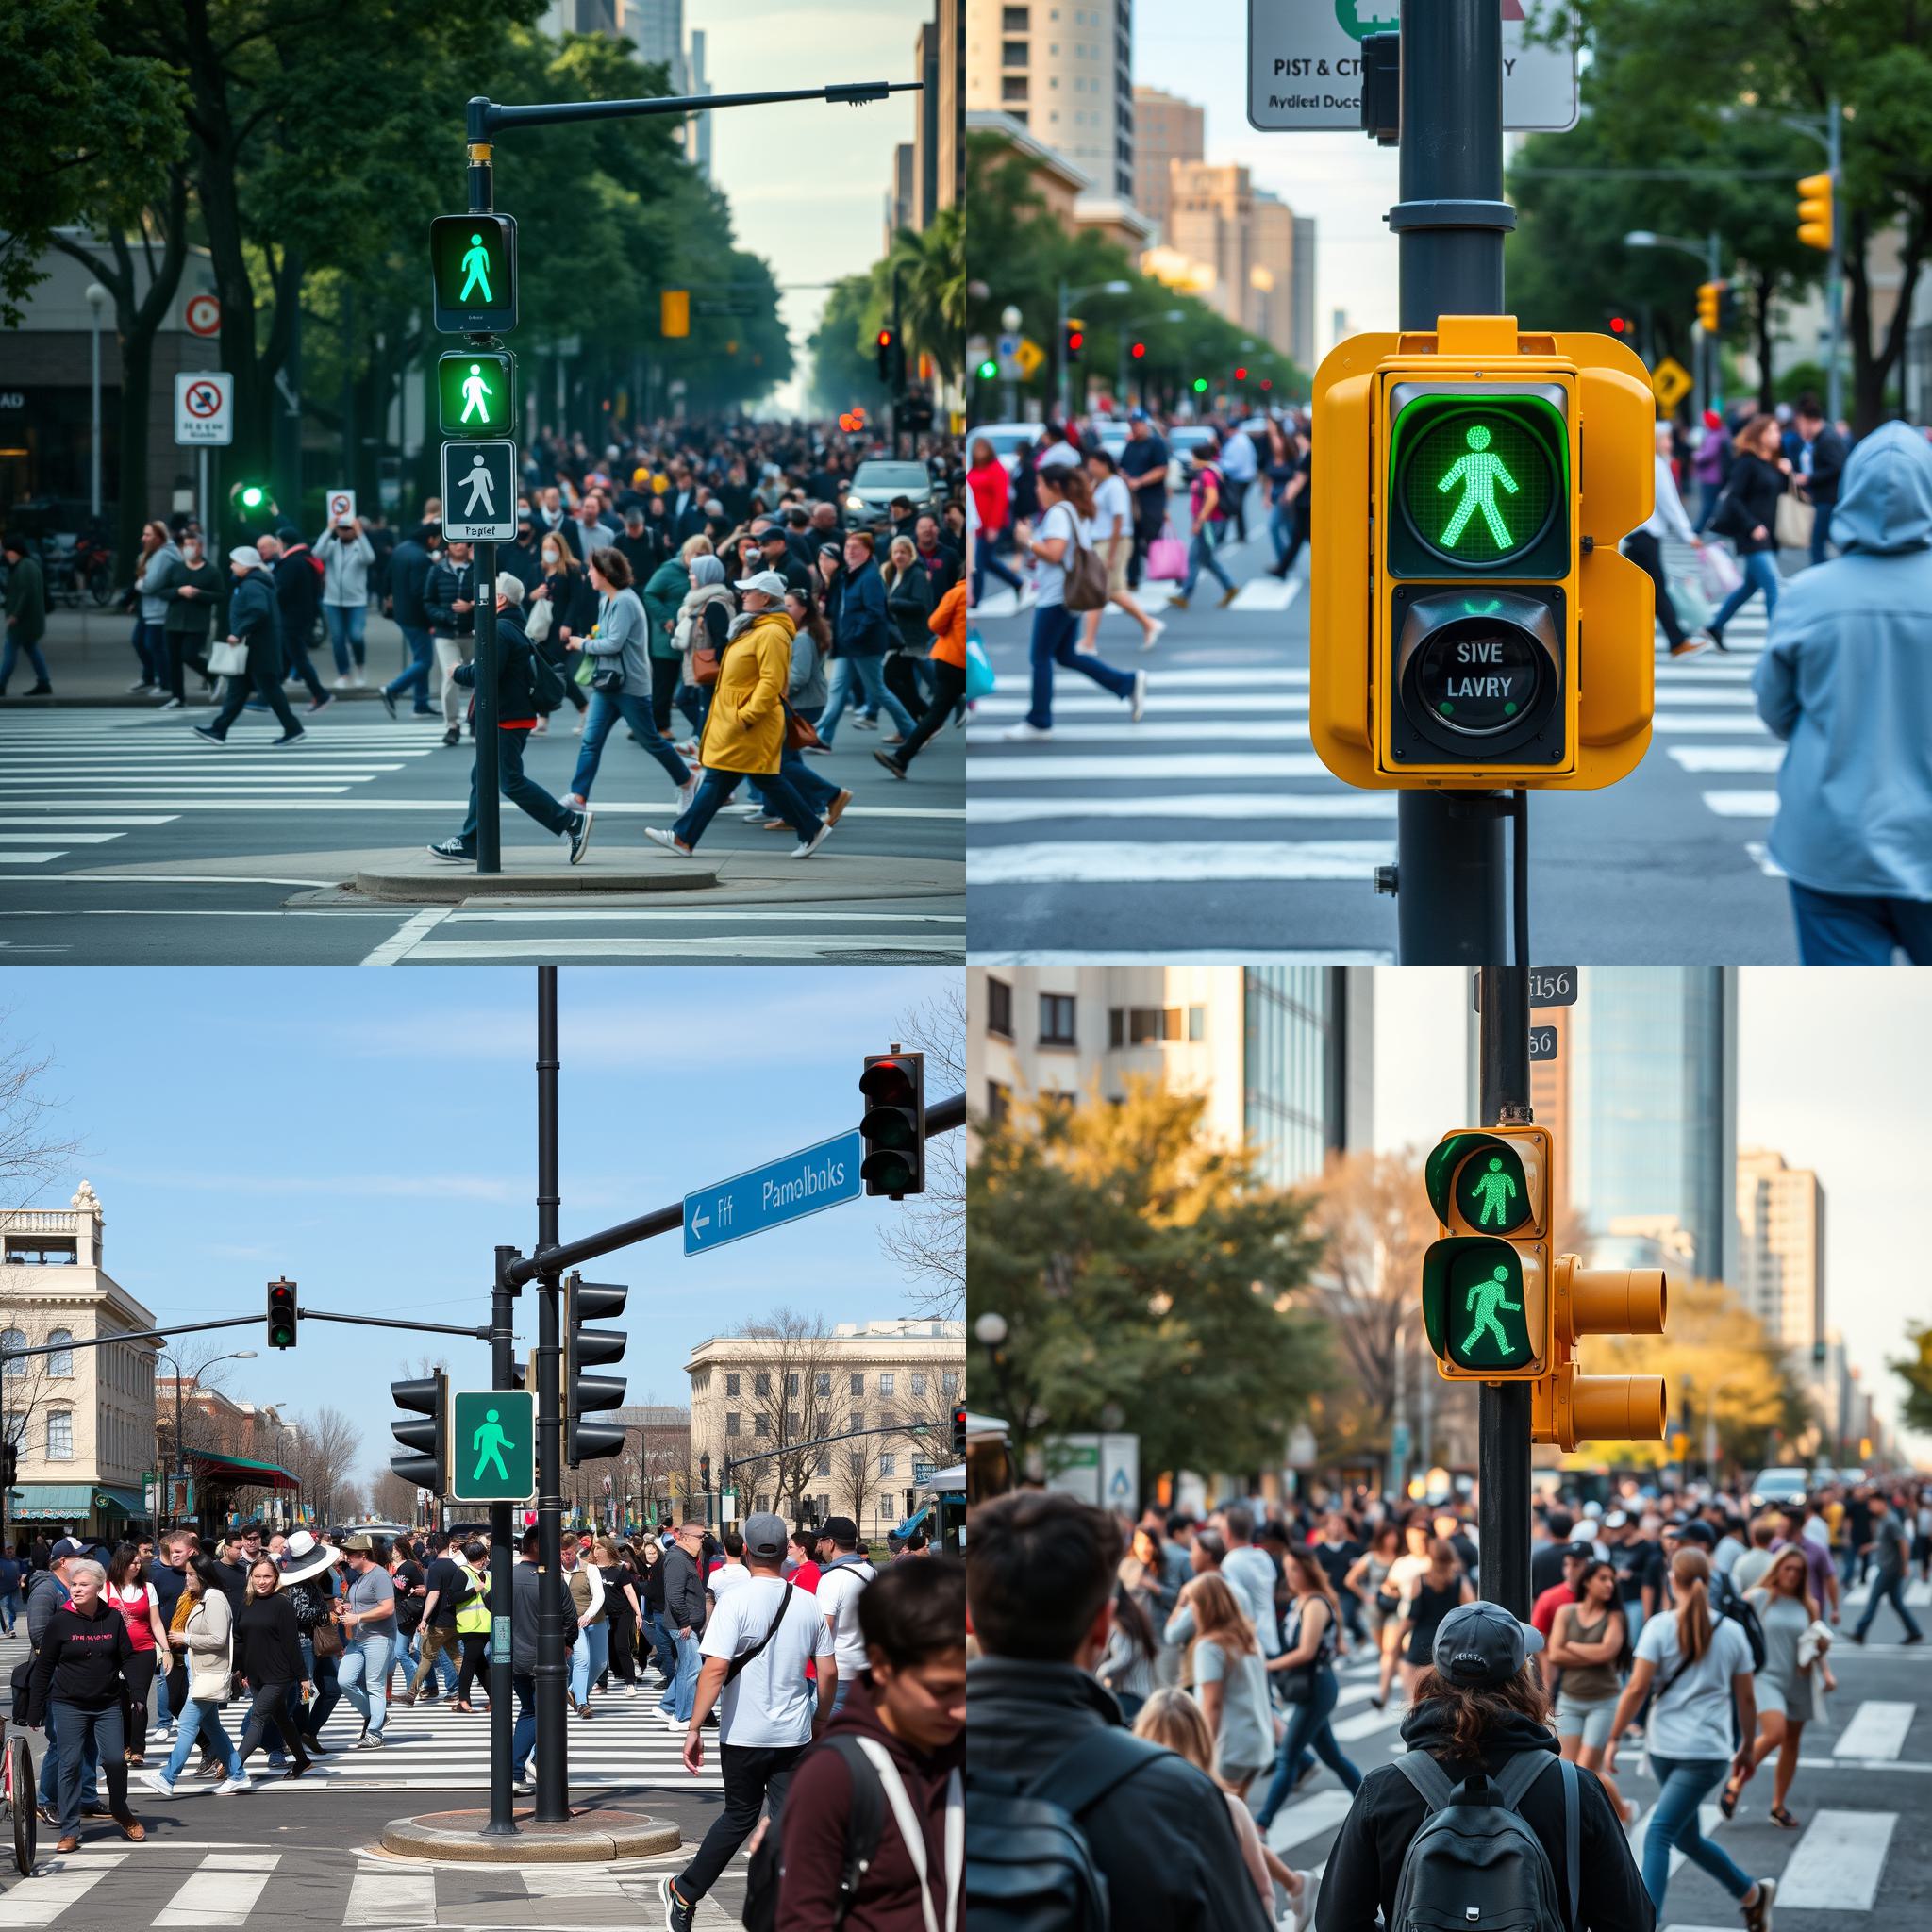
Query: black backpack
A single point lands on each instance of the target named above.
(765, 1872)
(1727, 1601)
(1028, 1865)
(546, 680)
(1474, 1863)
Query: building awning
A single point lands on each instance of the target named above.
(242, 1471)
(72, 1501)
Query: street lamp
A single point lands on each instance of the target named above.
(96, 300)
(1009, 325)
(1068, 297)
(241, 1355)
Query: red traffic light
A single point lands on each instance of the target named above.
(1267, 382)
(1240, 374)
(1139, 350)
(1075, 338)
(884, 338)
(889, 1083)
(1619, 325)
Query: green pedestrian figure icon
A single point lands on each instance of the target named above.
(490, 1442)
(476, 269)
(1484, 1299)
(1479, 473)
(474, 389)
(1495, 1189)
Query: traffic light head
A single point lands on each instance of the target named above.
(1074, 340)
(1138, 351)
(473, 273)
(282, 1314)
(1485, 1285)
(959, 1435)
(892, 1129)
(591, 1301)
(424, 1432)
(989, 369)
(476, 391)
(1491, 1181)
(1241, 374)
(1200, 385)
(1623, 325)
(1815, 210)
(1710, 316)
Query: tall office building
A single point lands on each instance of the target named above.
(698, 136)
(930, 174)
(1063, 72)
(1269, 310)
(1781, 1224)
(1166, 130)
(655, 28)
(1301, 323)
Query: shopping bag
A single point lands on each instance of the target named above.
(1693, 606)
(979, 678)
(1167, 557)
(227, 660)
(1792, 525)
(1718, 571)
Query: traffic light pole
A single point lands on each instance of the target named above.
(1449, 223)
(1503, 1409)
(502, 1584)
(553, 1736)
(489, 802)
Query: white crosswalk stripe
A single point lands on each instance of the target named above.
(1838, 1862)
(1878, 1729)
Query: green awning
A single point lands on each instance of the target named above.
(63, 1502)
(240, 1470)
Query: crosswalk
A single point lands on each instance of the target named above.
(1220, 781)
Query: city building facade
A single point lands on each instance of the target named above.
(1166, 130)
(1065, 73)
(1781, 1223)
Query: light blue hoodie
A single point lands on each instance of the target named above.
(1846, 682)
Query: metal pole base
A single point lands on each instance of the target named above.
(1451, 906)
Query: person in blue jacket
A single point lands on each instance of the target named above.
(862, 634)
(1846, 682)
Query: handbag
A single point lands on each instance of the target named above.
(1167, 557)
(227, 660)
(1693, 607)
(1790, 528)
(979, 673)
(1297, 1684)
(1719, 571)
(1086, 578)
(799, 732)
(325, 1639)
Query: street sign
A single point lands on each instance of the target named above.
(1008, 353)
(476, 391)
(766, 1197)
(1305, 66)
(1543, 1042)
(203, 315)
(341, 506)
(1553, 986)
(204, 407)
(479, 492)
(1029, 355)
(492, 1445)
(473, 273)
(1672, 381)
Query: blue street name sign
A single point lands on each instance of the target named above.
(766, 1197)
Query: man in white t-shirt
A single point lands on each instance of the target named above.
(731, 1572)
(757, 1643)
(1250, 1574)
(1110, 531)
(843, 1572)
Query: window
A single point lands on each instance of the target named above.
(858, 1384)
(761, 1383)
(14, 1428)
(824, 1462)
(885, 1383)
(823, 1509)
(35, 1251)
(918, 1382)
(1056, 1018)
(823, 1384)
(1013, 20)
(731, 1421)
(889, 1464)
(857, 1426)
(999, 1008)
(791, 1383)
(949, 1383)
(1012, 87)
(1155, 1026)
(62, 1361)
(999, 1101)
(731, 1383)
(762, 1425)
(59, 1435)
(14, 1337)
(1013, 54)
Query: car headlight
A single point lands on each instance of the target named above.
(854, 503)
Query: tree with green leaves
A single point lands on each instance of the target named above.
(1142, 1267)
(1915, 1372)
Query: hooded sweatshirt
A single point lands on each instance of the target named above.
(1846, 682)
(812, 1825)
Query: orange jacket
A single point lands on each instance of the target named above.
(948, 626)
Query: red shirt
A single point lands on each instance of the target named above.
(1544, 1614)
(805, 1576)
(991, 491)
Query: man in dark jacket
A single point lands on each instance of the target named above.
(409, 565)
(449, 598)
(1039, 1578)
(775, 552)
(934, 557)
(1821, 462)
(298, 597)
(516, 718)
(254, 619)
(526, 1583)
(26, 616)
(684, 1616)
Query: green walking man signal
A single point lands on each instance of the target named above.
(1495, 1189)
(1484, 1298)
(473, 273)
(1478, 472)
(490, 1442)
(475, 269)
(492, 1445)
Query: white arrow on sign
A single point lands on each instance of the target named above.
(699, 1222)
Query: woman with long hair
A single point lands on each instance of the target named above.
(1309, 1633)
(1171, 1718)
(1381, 1602)
(158, 555)
(130, 1593)
(1760, 475)
(1230, 1680)
(1699, 1666)
(203, 1629)
(1126, 1667)
(1787, 1697)
(1436, 1591)
(1067, 499)
(268, 1652)
(1588, 1642)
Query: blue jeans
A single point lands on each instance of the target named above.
(604, 713)
(524, 792)
(871, 675)
(522, 1739)
(416, 678)
(1686, 1782)
(346, 625)
(589, 1658)
(683, 1696)
(1054, 630)
(1201, 556)
(1891, 1589)
(9, 656)
(320, 1672)
(1307, 1730)
(1851, 1564)
(151, 647)
(1821, 530)
(363, 1675)
(984, 561)
(664, 1645)
(817, 792)
(203, 1720)
(717, 787)
(50, 1765)
(9, 1609)
(1760, 574)
(1848, 929)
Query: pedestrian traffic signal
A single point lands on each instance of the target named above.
(1815, 214)
(674, 312)
(892, 1129)
(1485, 1283)
(989, 369)
(476, 391)
(282, 1314)
(1462, 548)
(892, 359)
(1567, 1407)
(1710, 306)
(10, 1465)
(958, 1434)
(427, 1438)
(591, 1301)
(473, 273)
(492, 1445)
(1074, 338)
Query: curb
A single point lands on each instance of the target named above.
(585, 1837)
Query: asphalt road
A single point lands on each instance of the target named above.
(1212, 829)
(126, 840)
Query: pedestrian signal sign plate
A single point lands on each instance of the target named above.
(479, 492)
(493, 1454)
(476, 391)
(474, 273)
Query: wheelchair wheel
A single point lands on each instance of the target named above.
(19, 1801)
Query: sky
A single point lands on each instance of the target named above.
(374, 1147)
(1848, 1100)
(808, 183)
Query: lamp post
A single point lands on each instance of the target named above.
(1710, 253)
(96, 300)
(1067, 298)
(241, 1355)
(1009, 325)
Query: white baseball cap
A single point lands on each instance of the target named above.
(769, 582)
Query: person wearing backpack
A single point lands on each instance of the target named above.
(1072, 1822)
(871, 1837)
(1702, 1664)
(1482, 1820)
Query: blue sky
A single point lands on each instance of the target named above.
(373, 1145)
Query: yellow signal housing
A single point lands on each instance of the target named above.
(674, 312)
(1473, 629)
(1568, 1406)
(1815, 214)
(1710, 297)
(1486, 1284)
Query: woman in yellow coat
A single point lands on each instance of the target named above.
(744, 729)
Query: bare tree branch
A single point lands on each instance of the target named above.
(926, 1236)
(32, 1151)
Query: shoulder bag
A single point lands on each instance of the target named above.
(1086, 574)
(757, 1649)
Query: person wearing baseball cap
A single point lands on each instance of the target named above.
(253, 620)
(1477, 1710)
(755, 1647)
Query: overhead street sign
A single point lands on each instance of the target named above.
(479, 492)
(204, 408)
(1543, 1042)
(1672, 382)
(784, 1189)
(492, 1452)
(1305, 68)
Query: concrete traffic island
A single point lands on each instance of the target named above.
(416, 879)
(588, 1837)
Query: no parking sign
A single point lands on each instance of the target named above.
(204, 407)
(341, 506)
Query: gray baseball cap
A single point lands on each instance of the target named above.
(1482, 1643)
(765, 1537)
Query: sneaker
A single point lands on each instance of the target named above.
(208, 737)
(342, 684)
(1758, 1917)
(679, 1912)
(836, 809)
(454, 735)
(159, 1735)
(818, 750)
(862, 723)
(371, 1741)
(1025, 733)
(891, 763)
(40, 691)
(172, 704)
(358, 680)
(1140, 697)
(229, 1786)
(572, 801)
(143, 686)
(805, 847)
(579, 836)
(628, 1690)
(1148, 640)
(521, 1782)
(294, 737)
(389, 700)
(210, 1768)
(1176, 603)
(1689, 647)
(670, 841)
(158, 1784)
(456, 853)
(1303, 1906)
(328, 698)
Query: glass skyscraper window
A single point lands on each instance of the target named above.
(1288, 1067)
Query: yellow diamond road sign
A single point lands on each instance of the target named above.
(1672, 382)
(1029, 355)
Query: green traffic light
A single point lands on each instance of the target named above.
(251, 498)
(987, 370)
(1482, 1294)
(476, 391)
(1200, 385)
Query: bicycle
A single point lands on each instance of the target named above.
(19, 1799)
